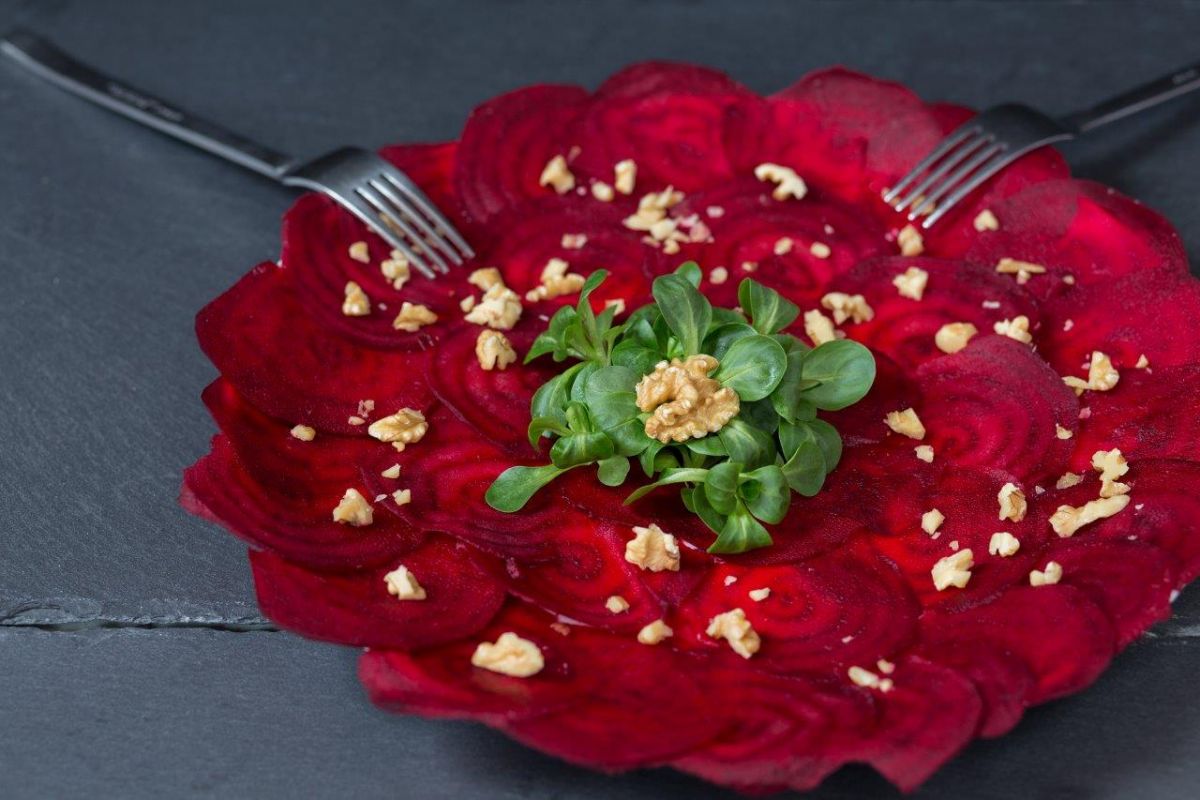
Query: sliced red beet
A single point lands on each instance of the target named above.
(861, 423)
(357, 609)
(298, 526)
(1149, 314)
(905, 329)
(995, 404)
(1082, 229)
(250, 334)
(783, 731)
(1056, 632)
(508, 141)
(430, 166)
(1154, 413)
(843, 608)
(929, 715)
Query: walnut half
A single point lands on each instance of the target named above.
(686, 403)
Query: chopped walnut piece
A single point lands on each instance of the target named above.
(820, 250)
(467, 303)
(366, 407)
(510, 655)
(733, 627)
(1012, 502)
(885, 667)
(652, 549)
(655, 632)
(1102, 375)
(413, 317)
(685, 402)
(494, 350)
(749, 266)
(910, 241)
(1015, 328)
(556, 282)
(557, 175)
(848, 306)
(391, 472)
(931, 520)
(402, 497)
(1111, 465)
(819, 328)
(485, 278)
(574, 241)
(617, 303)
(406, 426)
(911, 283)
(954, 336)
(1068, 480)
(603, 192)
(305, 433)
(1022, 269)
(905, 423)
(863, 677)
(1049, 576)
(986, 221)
(360, 252)
(625, 175)
(730, 580)
(953, 570)
(715, 212)
(403, 585)
(353, 510)
(787, 182)
(718, 275)
(561, 628)
(1067, 520)
(1061, 432)
(758, 595)
(396, 269)
(356, 302)
(1003, 544)
(499, 308)
(652, 209)
(1142, 362)
(783, 246)
(355, 420)
(924, 452)
(616, 604)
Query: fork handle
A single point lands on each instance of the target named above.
(1147, 95)
(44, 59)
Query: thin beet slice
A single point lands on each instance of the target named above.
(1082, 229)
(995, 404)
(430, 166)
(905, 329)
(356, 609)
(1147, 314)
(442, 682)
(508, 141)
(893, 389)
(250, 334)
(298, 526)
(1154, 414)
(843, 608)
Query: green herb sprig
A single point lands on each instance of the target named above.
(737, 479)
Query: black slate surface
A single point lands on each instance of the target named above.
(133, 659)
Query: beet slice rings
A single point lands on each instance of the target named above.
(850, 573)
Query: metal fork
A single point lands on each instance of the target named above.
(998, 136)
(367, 186)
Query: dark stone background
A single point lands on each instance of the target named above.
(133, 659)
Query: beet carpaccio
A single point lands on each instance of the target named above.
(1016, 499)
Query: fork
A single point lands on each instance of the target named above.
(366, 185)
(998, 136)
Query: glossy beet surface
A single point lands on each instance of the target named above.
(849, 572)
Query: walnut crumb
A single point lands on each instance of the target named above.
(1012, 503)
(406, 426)
(467, 303)
(305, 433)
(1003, 544)
(1016, 328)
(685, 402)
(557, 175)
(924, 452)
(986, 221)
(353, 510)
(1061, 432)
(396, 269)
(616, 604)
(714, 212)
(931, 520)
(485, 278)
(910, 241)
(885, 667)
(356, 302)
(749, 266)
(574, 241)
(652, 549)
(848, 306)
(906, 423)
(413, 317)
(911, 283)
(730, 580)
(819, 328)
(1102, 375)
(360, 252)
(494, 350)
(733, 627)
(953, 570)
(783, 246)
(863, 677)
(1142, 362)
(718, 275)
(1111, 465)
(625, 175)
(655, 632)
(509, 655)
(402, 497)
(652, 210)
(787, 182)
(1050, 575)
(603, 192)
(1068, 480)
(556, 282)
(1067, 520)
(758, 595)
(820, 250)
(1022, 269)
(391, 472)
(355, 420)
(403, 585)
(954, 336)
(499, 308)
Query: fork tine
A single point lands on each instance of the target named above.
(370, 216)
(953, 180)
(389, 217)
(414, 193)
(982, 174)
(963, 131)
(952, 160)
(404, 209)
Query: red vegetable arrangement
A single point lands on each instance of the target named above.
(1016, 499)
